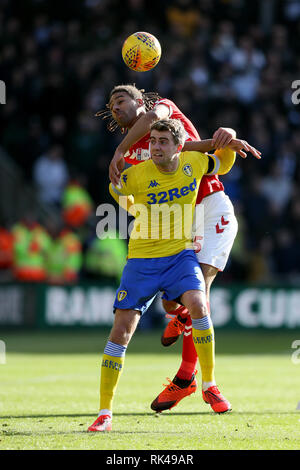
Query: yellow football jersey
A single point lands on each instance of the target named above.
(164, 204)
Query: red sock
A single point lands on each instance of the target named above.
(189, 355)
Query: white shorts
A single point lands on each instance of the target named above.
(219, 231)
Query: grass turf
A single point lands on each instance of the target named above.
(49, 394)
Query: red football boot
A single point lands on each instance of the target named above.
(216, 400)
(173, 394)
(102, 423)
(173, 330)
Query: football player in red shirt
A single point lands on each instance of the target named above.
(134, 111)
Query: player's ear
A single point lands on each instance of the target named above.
(140, 102)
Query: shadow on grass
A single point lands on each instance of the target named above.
(52, 431)
(157, 416)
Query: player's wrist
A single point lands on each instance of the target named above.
(210, 143)
(119, 153)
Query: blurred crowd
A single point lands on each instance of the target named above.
(64, 249)
(225, 63)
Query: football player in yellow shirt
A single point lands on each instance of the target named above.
(161, 256)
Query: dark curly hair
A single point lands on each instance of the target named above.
(148, 98)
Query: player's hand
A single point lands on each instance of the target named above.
(222, 137)
(240, 145)
(116, 167)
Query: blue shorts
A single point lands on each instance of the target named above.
(143, 278)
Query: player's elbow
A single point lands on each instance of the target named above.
(151, 116)
(226, 163)
(113, 192)
(225, 159)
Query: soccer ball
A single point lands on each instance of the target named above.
(141, 51)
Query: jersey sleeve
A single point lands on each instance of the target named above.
(126, 202)
(221, 161)
(127, 183)
(165, 103)
(212, 164)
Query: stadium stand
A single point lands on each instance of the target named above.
(225, 63)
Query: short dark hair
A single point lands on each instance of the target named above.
(174, 126)
(148, 98)
(131, 90)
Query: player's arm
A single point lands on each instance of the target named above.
(135, 133)
(142, 126)
(223, 159)
(221, 138)
(123, 193)
(241, 147)
(126, 202)
(198, 146)
(226, 137)
(208, 145)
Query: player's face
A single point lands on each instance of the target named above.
(123, 109)
(163, 148)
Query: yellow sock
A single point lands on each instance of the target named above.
(111, 370)
(204, 342)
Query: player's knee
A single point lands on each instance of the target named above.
(120, 334)
(197, 309)
(123, 328)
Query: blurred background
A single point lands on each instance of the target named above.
(225, 63)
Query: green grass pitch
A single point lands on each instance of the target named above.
(49, 394)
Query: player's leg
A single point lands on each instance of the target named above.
(136, 292)
(188, 364)
(220, 228)
(203, 346)
(209, 274)
(204, 342)
(195, 301)
(182, 323)
(184, 383)
(125, 323)
(185, 376)
(219, 233)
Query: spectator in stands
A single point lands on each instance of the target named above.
(105, 258)
(277, 188)
(77, 204)
(50, 174)
(64, 258)
(31, 246)
(6, 253)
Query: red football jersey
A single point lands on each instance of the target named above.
(140, 151)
